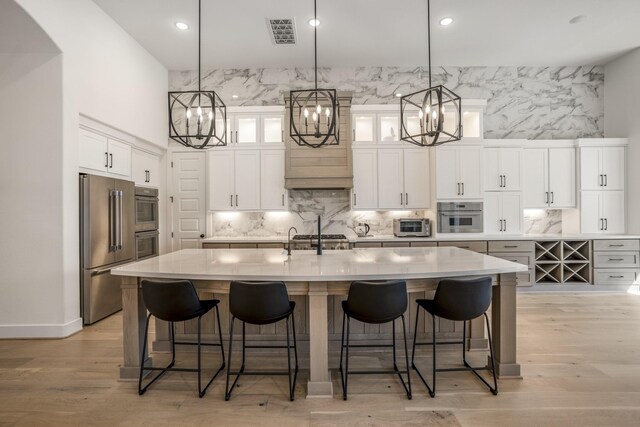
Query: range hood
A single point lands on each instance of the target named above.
(329, 167)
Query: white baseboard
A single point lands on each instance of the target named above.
(41, 331)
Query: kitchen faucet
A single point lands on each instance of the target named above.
(289, 240)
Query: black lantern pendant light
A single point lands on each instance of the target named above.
(431, 116)
(197, 119)
(314, 119)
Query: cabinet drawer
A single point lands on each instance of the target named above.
(511, 246)
(472, 246)
(367, 245)
(519, 258)
(243, 245)
(215, 246)
(273, 245)
(424, 244)
(616, 245)
(396, 244)
(615, 259)
(614, 277)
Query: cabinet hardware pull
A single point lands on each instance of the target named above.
(106, 159)
(464, 247)
(601, 182)
(283, 199)
(616, 259)
(505, 225)
(616, 277)
(601, 224)
(513, 260)
(616, 245)
(552, 197)
(500, 224)
(236, 200)
(401, 200)
(606, 224)
(111, 158)
(463, 188)
(458, 189)
(354, 134)
(282, 135)
(406, 198)
(355, 199)
(500, 185)
(231, 196)
(505, 181)
(546, 197)
(510, 246)
(606, 180)
(236, 137)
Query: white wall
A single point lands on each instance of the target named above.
(101, 73)
(622, 119)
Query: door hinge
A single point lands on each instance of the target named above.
(171, 198)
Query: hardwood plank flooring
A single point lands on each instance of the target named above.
(580, 355)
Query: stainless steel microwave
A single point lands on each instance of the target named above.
(411, 227)
(460, 217)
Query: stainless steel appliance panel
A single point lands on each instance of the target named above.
(457, 217)
(101, 294)
(146, 209)
(147, 244)
(411, 227)
(97, 233)
(126, 217)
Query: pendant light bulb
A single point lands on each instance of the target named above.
(315, 116)
(420, 114)
(319, 109)
(188, 113)
(211, 115)
(199, 110)
(435, 114)
(306, 113)
(328, 112)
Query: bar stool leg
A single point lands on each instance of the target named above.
(346, 372)
(493, 362)
(143, 356)
(415, 339)
(295, 344)
(344, 323)
(289, 360)
(393, 341)
(227, 393)
(244, 344)
(200, 392)
(220, 335)
(432, 393)
(406, 358)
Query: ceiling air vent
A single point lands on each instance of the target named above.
(283, 31)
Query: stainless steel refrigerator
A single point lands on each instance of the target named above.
(107, 239)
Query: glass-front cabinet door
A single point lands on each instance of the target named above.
(246, 129)
(364, 128)
(388, 128)
(472, 123)
(272, 129)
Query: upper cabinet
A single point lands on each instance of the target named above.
(502, 170)
(263, 127)
(233, 180)
(458, 172)
(602, 168)
(98, 153)
(365, 179)
(549, 177)
(145, 169)
(273, 195)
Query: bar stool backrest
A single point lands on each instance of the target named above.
(378, 302)
(171, 301)
(259, 302)
(462, 299)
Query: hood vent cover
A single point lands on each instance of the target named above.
(283, 31)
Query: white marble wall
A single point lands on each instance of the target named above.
(542, 221)
(522, 102)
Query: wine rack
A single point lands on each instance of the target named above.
(559, 261)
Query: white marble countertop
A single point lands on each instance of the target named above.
(347, 265)
(440, 237)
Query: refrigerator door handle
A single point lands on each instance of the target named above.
(112, 221)
(119, 220)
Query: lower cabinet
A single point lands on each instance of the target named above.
(502, 212)
(602, 212)
(520, 251)
(616, 262)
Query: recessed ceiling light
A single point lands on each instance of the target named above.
(234, 96)
(446, 21)
(182, 26)
(398, 95)
(314, 22)
(577, 19)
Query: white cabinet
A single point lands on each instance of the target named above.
(234, 180)
(458, 173)
(549, 178)
(502, 212)
(383, 128)
(602, 212)
(502, 169)
(272, 129)
(365, 179)
(102, 154)
(145, 169)
(403, 178)
(253, 129)
(273, 195)
(602, 168)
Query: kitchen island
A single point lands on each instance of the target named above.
(316, 279)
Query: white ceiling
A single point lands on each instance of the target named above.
(383, 32)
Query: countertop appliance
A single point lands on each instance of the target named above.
(107, 213)
(460, 217)
(329, 241)
(411, 227)
(362, 229)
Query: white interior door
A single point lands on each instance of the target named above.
(247, 180)
(390, 179)
(613, 167)
(512, 212)
(535, 178)
(447, 184)
(188, 183)
(416, 178)
(510, 168)
(470, 172)
(492, 212)
(562, 177)
(590, 168)
(273, 195)
(613, 211)
(365, 179)
(590, 212)
(220, 180)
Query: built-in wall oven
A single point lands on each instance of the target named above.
(147, 234)
(146, 209)
(460, 217)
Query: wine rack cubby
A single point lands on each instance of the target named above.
(563, 261)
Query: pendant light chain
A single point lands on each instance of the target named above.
(199, 42)
(429, 37)
(315, 42)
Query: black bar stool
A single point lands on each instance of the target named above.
(458, 300)
(261, 303)
(375, 302)
(177, 301)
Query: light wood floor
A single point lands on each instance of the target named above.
(580, 356)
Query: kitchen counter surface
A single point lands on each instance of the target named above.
(348, 265)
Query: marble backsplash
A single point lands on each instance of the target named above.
(337, 218)
(522, 102)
